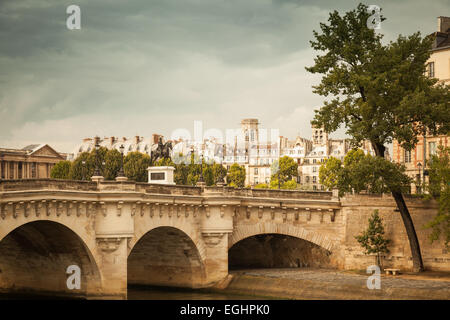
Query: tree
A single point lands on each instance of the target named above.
(290, 185)
(284, 169)
(208, 175)
(236, 176)
(379, 92)
(219, 171)
(82, 167)
(61, 170)
(372, 239)
(439, 188)
(113, 162)
(135, 166)
(181, 174)
(330, 173)
(361, 172)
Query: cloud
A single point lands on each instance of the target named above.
(140, 66)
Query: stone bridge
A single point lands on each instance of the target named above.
(122, 233)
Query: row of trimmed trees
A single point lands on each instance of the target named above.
(135, 166)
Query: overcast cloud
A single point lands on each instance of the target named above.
(139, 67)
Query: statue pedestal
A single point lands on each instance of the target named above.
(121, 179)
(161, 175)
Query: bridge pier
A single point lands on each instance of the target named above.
(112, 263)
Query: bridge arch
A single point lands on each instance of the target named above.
(166, 255)
(35, 255)
(186, 228)
(241, 232)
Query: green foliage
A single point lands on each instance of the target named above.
(439, 188)
(181, 173)
(330, 173)
(192, 179)
(372, 239)
(262, 186)
(61, 170)
(379, 92)
(236, 176)
(208, 175)
(291, 185)
(284, 169)
(361, 172)
(164, 162)
(219, 171)
(135, 166)
(113, 162)
(82, 167)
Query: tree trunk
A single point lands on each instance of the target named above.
(410, 231)
(406, 217)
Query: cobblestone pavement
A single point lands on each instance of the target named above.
(335, 277)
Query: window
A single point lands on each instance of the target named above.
(299, 179)
(33, 170)
(314, 169)
(407, 156)
(307, 179)
(11, 170)
(314, 187)
(314, 160)
(19, 173)
(432, 148)
(430, 69)
(314, 179)
(256, 171)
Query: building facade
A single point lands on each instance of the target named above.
(438, 66)
(32, 162)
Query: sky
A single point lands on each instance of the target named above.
(139, 67)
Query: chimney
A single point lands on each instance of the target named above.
(443, 24)
(136, 139)
(155, 138)
(113, 140)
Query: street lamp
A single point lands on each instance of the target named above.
(83, 170)
(121, 173)
(201, 172)
(97, 146)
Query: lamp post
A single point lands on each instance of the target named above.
(121, 173)
(83, 170)
(201, 171)
(97, 167)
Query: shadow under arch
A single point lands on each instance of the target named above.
(34, 258)
(273, 245)
(245, 231)
(165, 256)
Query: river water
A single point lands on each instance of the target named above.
(182, 294)
(149, 293)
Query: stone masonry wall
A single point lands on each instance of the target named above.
(356, 210)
